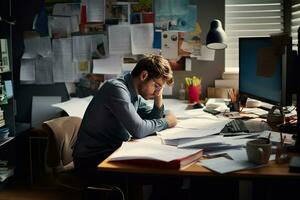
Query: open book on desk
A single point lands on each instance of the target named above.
(155, 155)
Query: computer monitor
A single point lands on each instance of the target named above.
(276, 88)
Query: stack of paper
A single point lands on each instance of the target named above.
(156, 155)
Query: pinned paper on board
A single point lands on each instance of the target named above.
(129, 62)
(120, 11)
(109, 65)
(169, 44)
(189, 43)
(119, 39)
(142, 39)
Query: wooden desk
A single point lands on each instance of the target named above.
(264, 182)
(272, 171)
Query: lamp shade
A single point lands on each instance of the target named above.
(216, 37)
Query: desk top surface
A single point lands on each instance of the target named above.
(273, 170)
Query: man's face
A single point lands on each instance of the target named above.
(148, 89)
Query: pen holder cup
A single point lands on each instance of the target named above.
(194, 93)
(234, 106)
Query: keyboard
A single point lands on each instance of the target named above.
(235, 127)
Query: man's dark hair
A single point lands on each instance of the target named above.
(156, 66)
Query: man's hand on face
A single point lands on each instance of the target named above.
(171, 120)
(158, 99)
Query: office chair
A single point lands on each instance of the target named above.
(62, 134)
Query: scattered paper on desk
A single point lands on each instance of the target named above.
(204, 124)
(217, 104)
(214, 142)
(257, 111)
(238, 154)
(180, 133)
(153, 139)
(275, 137)
(223, 165)
(144, 150)
(203, 142)
(174, 105)
(199, 114)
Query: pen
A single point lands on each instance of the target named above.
(284, 137)
(281, 140)
(269, 136)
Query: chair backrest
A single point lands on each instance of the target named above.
(42, 110)
(62, 135)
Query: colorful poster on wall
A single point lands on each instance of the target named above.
(189, 43)
(175, 15)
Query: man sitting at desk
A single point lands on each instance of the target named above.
(118, 112)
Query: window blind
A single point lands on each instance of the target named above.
(295, 22)
(249, 18)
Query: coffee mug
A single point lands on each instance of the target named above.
(259, 150)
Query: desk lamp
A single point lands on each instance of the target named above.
(216, 36)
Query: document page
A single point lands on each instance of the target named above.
(95, 10)
(109, 65)
(223, 165)
(75, 106)
(141, 38)
(119, 39)
(152, 151)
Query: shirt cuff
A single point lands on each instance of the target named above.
(159, 111)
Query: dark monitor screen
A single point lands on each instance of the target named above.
(272, 88)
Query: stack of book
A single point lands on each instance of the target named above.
(5, 170)
(4, 132)
(2, 120)
(4, 58)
